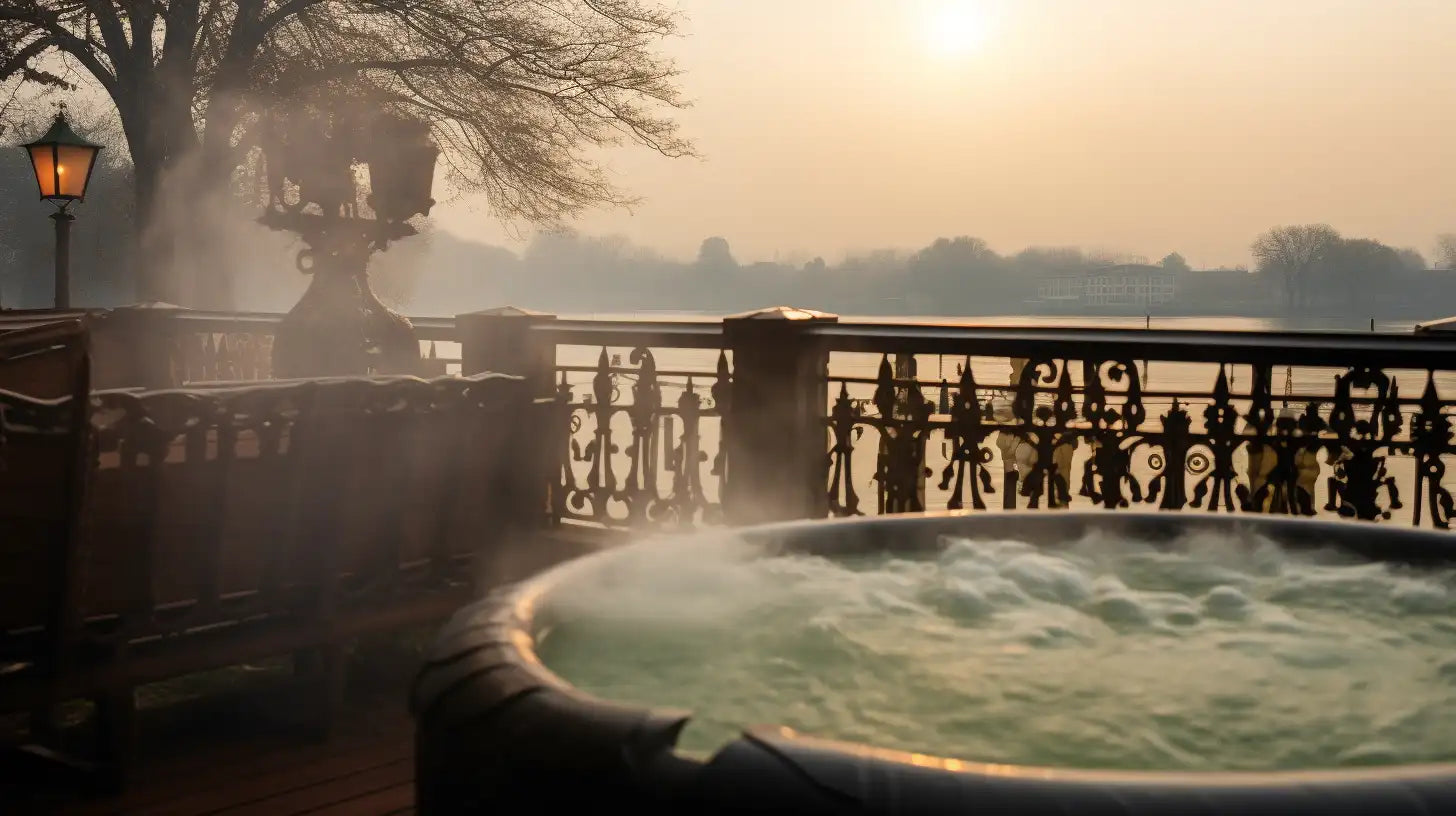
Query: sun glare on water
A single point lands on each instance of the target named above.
(955, 30)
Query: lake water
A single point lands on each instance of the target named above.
(1156, 322)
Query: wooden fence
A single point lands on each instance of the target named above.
(153, 533)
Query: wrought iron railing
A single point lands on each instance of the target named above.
(643, 404)
(1291, 423)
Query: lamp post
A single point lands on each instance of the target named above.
(62, 162)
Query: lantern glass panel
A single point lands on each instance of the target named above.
(73, 168)
(42, 158)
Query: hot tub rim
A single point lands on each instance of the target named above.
(505, 620)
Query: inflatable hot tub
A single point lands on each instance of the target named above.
(499, 732)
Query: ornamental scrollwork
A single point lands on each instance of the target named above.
(634, 457)
(1351, 450)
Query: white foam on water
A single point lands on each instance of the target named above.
(1217, 653)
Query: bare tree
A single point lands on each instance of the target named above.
(518, 94)
(1446, 251)
(1355, 265)
(1293, 253)
(714, 255)
(1412, 259)
(1174, 262)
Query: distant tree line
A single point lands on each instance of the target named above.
(1314, 262)
(1302, 268)
(1298, 270)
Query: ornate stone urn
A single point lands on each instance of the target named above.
(315, 160)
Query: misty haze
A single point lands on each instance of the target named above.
(928, 157)
(727, 406)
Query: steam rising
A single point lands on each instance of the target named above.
(670, 583)
(215, 256)
(1220, 654)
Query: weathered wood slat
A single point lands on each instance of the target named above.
(219, 775)
(394, 801)
(345, 788)
(214, 773)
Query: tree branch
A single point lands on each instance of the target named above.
(280, 14)
(19, 63)
(63, 40)
(113, 35)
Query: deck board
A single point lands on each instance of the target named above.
(394, 801)
(275, 789)
(365, 769)
(322, 793)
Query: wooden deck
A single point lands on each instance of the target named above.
(233, 746)
(364, 778)
(244, 760)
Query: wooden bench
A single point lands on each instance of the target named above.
(223, 525)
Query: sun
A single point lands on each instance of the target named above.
(955, 30)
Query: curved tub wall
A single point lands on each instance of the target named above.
(497, 732)
(494, 723)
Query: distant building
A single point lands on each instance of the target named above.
(1122, 285)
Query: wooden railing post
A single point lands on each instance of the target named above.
(136, 346)
(775, 433)
(501, 341)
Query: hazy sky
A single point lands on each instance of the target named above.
(1143, 126)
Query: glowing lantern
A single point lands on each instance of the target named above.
(62, 162)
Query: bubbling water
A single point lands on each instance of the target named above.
(1215, 653)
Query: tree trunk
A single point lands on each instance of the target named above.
(153, 245)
